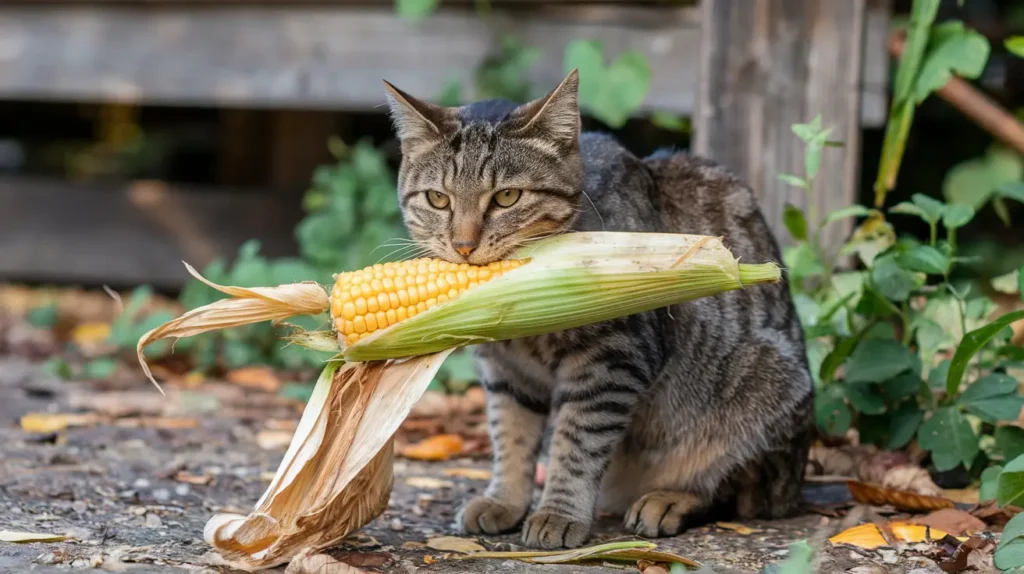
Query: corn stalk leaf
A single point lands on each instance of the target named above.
(347, 428)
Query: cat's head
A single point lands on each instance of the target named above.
(480, 180)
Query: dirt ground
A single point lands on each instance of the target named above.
(129, 492)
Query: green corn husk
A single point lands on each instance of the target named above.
(571, 280)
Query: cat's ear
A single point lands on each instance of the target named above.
(417, 123)
(556, 115)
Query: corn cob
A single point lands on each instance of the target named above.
(381, 295)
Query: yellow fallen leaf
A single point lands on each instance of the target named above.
(863, 536)
(27, 537)
(437, 447)
(428, 482)
(470, 473)
(455, 544)
(737, 528)
(90, 334)
(53, 422)
(962, 495)
(869, 537)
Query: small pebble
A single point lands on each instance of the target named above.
(79, 506)
(140, 483)
(153, 521)
(81, 563)
(137, 510)
(182, 490)
(396, 525)
(162, 494)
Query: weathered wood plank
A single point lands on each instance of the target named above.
(317, 57)
(768, 64)
(137, 233)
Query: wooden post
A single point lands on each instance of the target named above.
(768, 64)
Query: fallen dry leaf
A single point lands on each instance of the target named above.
(52, 422)
(455, 544)
(159, 422)
(951, 520)
(869, 536)
(438, 447)
(910, 478)
(428, 482)
(737, 528)
(273, 439)
(412, 545)
(648, 567)
(991, 514)
(262, 378)
(428, 560)
(28, 537)
(308, 563)
(90, 335)
(973, 554)
(879, 496)
(189, 478)
(470, 473)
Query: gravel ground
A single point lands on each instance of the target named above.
(112, 488)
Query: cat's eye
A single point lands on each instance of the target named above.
(507, 197)
(438, 199)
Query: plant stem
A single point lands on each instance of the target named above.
(933, 232)
(905, 316)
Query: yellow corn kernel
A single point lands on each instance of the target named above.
(382, 295)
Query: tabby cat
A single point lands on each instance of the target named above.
(662, 417)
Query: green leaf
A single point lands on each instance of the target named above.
(830, 410)
(1010, 441)
(993, 398)
(891, 280)
(1015, 45)
(415, 10)
(971, 344)
(57, 367)
(929, 334)
(989, 483)
(852, 211)
(796, 223)
(925, 259)
(837, 357)
(672, 122)
(901, 386)
(864, 399)
(878, 360)
(937, 376)
(903, 425)
(1012, 190)
(1010, 486)
(793, 180)
(43, 317)
(802, 261)
(957, 215)
(953, 49)
(931, 206)
(975, 181)
(611, 93)
(102, 368)
(908, 208)
(1009, 555)
(950, 439)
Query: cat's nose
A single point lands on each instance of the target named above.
(464, 249)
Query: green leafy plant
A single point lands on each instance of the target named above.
(931, 56)
(612, 91)
(892, 343)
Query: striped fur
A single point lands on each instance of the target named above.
(662, 417)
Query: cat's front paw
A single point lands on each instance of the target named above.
(661, 513)
(548, 529)
(486, 515)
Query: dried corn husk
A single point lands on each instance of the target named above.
(336, 475)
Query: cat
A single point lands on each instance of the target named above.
(662, 417)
